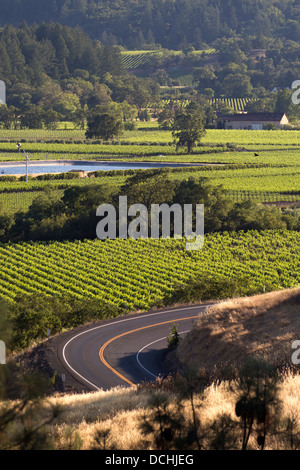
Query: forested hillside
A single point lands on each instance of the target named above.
(61, 70)
(52, 49)
(172, 24)
(61, 58)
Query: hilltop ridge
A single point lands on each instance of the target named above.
(170, 24)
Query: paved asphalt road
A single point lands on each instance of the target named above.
(124, 351)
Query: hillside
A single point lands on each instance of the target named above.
(263, 326)
(168, 23)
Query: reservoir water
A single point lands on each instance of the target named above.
(39, 167)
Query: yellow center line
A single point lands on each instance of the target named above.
(101, 352)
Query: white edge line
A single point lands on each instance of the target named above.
(150, 344)
(109, 324)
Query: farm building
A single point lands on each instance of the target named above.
(252, 121)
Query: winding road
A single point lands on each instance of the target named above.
(124, 351)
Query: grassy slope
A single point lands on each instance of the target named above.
(264, 326)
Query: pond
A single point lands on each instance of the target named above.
(39, 167)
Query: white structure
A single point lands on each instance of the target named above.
(252, 121)
(2, 92)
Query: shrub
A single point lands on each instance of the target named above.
(211, 287)
(8, 178)
(34, 313)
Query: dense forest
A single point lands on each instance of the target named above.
(65, 56)
(60, 70)
(169, 23)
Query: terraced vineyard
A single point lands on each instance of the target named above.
(18, 201)
(238, 104)
(165, 103)
(136, 274)
(137, 59)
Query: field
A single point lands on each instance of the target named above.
(18, 201)
(272, 176)
(139, 59)
(238, 104)
(139, 274)
(89, 415)
(132, 60)
(136, 274)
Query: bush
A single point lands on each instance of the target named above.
(211, 287)
(34, 313)
(8, 178)
(173, 338)
(58, 176)
(269, 126)
(129, 125)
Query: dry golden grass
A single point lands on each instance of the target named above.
(121, 411)
(88, 413)
(118, 410)
(263, 326)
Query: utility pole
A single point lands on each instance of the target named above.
(19, 145)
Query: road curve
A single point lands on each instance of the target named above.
(124, 351)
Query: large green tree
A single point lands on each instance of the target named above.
(104, 126)
(188, 129)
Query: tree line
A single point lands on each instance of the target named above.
(72, 216)
(58, 73)
(169, 24)
(54, 72)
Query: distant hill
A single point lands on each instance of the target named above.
(171, 24)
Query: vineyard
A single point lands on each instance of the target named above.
(263, 166)
(137, 274)
(146, 141)
(137, 59)
(145, 133)
(273, 175)
(264, 183)
(18, 201)
(132, 60)
(238, 104)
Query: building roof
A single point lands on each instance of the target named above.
(265, 117)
